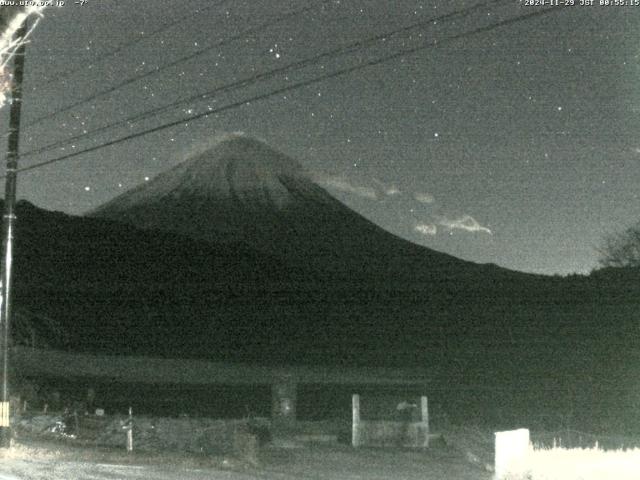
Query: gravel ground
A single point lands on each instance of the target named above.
(60, 461)
(165, 452)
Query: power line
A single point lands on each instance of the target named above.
(271, 73)
(136, 41)
(160, 68)
(296, 86)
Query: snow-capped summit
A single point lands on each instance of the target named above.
(233, 191)
(237, 167)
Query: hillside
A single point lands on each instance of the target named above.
(123, 290)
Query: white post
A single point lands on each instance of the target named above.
(130, 431)
(424, 408)
(511, 451)
(130, 440)
(356, 438)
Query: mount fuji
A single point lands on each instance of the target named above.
(242, 190)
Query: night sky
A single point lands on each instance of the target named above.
(517, 145)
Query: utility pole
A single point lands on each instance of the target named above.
(7, 234)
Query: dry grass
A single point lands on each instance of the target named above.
(579, 464)
(53, 450)
(584, 464)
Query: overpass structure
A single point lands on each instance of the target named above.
(283, 380)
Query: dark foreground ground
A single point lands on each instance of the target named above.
(53, 460)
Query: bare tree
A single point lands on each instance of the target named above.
(11, 19)
(621, 249)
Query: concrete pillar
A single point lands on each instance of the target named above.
(424, 411)
(284, 402)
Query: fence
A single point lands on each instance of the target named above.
(193, 435)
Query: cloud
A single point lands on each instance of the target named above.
(344, 185)
(465, 222)
(424, 197)
(372, 189)
(392, 190)
(426, 229)
(389, 190)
